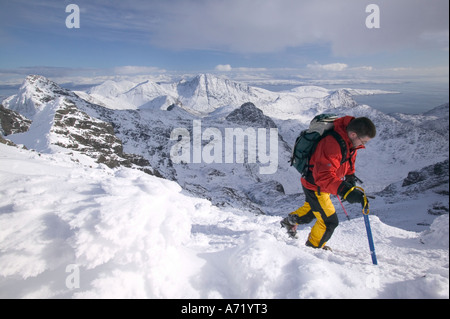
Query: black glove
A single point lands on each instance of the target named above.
(351, 179)
(355, 196)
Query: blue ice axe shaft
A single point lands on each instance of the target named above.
(366, 222)
(369, 236)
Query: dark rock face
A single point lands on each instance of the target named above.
(92, 137)
(247, 114)
(12, 122)
(433, 179)
(428, 177)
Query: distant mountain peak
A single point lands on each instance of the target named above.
(205, 93)
(340, 98)
(35, 78)
(34, 94)
(44, 85)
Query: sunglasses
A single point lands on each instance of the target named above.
(362, 141)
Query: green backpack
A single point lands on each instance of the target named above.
(321, 125)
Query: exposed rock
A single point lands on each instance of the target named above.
(12, 122)
(249, 114)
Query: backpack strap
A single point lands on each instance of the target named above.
(342, 144)
(308, 176)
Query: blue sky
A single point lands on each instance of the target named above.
(242, 39)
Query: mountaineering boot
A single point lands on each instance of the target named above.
(324, 247)
(291, 228)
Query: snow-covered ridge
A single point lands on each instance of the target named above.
(35, 92)
(436, 119)
(59, 122)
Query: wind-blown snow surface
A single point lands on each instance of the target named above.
(126, 234)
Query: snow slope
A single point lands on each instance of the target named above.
(72, 228)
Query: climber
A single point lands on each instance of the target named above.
(329, 174)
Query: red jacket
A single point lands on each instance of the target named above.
(328, 172)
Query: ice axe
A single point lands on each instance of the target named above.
(368, 229)
(365, 211)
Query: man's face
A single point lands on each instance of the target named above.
(358, 140)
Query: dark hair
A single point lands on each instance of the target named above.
(362, 126)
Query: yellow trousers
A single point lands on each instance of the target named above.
(317, 206)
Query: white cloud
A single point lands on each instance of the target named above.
(335, 67)
(223, 68)
(363, 68)
(247, 69)
(258, 26)
(228, 68)
(440, 38)
(137, 70)
(247, 26)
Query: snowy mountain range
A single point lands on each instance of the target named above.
(158, 109)
(143, 126)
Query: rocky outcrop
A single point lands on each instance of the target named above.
(12, 122)
(247, 114)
